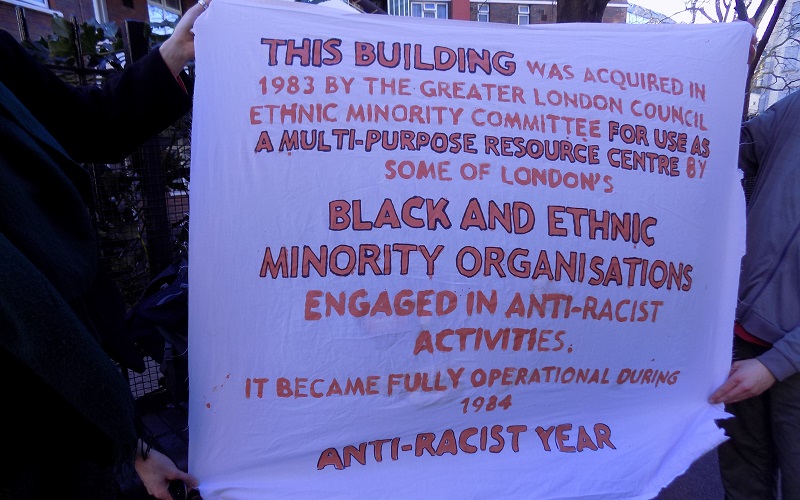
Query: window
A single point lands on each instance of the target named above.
(768, 72)
(161, 11)
(542, 15)
(791, 54)
(483, 13)
(429, 9)
(523, 14)
(44, 4)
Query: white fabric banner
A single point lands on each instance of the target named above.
(445, 259)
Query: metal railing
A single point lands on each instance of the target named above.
(140, 207)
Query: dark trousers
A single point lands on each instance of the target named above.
(761, 460)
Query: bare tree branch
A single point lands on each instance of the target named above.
(761, 11)
(776, 14)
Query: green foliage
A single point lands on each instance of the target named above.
(99, 43)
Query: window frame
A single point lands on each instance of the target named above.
(38, 5)
(161, 5)
(523, 12)
(791, 54)
(424, 7)
(482, 15)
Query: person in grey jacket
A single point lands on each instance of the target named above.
(762, 391)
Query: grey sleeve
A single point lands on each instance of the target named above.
(783, 360)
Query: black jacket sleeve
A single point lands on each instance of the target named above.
(96, 124)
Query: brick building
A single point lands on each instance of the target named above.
(533, 12)
(495, 11)
(37, 14)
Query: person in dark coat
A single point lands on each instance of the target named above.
(68, 412)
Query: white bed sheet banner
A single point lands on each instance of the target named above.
(450, 259)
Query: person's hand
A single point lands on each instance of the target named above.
(157, 471)
(179, 47)
(747, 378)
(753, 43)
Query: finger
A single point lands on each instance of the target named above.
(187, 478)
(734, 394)
(735, 397)
(723, 392)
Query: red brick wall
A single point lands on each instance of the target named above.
(460, 9)
(39, 23)
(119, 13)
(81, 9)
(7, 20)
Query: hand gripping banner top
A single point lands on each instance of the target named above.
(448, 259)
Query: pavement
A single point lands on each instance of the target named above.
(701, 481)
